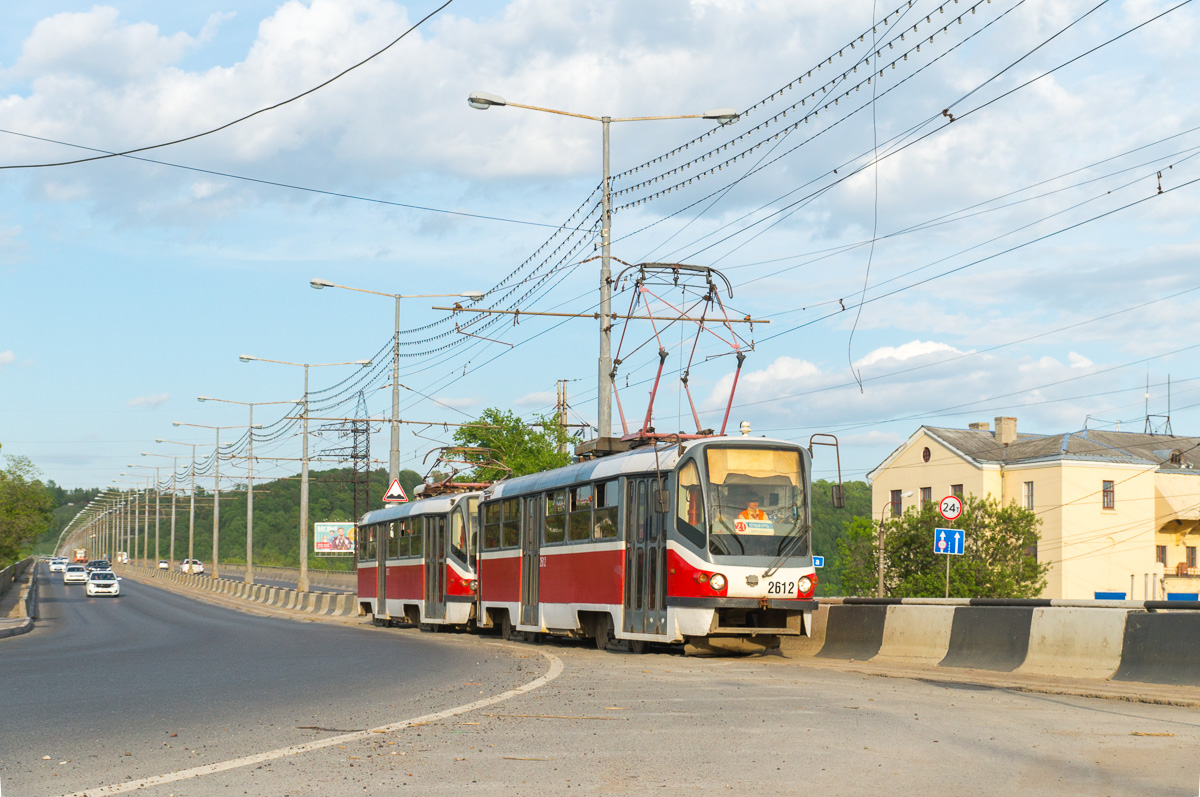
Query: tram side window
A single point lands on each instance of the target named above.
(416, 540)
(605, 499)
(510, 534)
(556, 516)
(580, 523)
(458, 533)
(370, 546)
(364, 534)
(491, 526)
(392, 542)
(403, 533)
(689, 510)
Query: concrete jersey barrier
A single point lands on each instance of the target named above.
(1099, 640)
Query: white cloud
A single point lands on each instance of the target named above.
(462, 403)
(912, 350)
(7, 357)
(539, 398)
(1078, 360)
(153, 400)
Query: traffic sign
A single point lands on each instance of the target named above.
(395, 493)
(949, 541)
(818, 561)
(951, 507)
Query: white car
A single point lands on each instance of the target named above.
(163, 564)
(58, 564)
(75, 574)
(191, 566)
(103, 582)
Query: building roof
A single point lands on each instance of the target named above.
(1164, 452)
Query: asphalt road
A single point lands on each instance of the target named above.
(152, 682)
(233, 685)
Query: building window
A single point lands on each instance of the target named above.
(1191, 556)
(925, 455)
(926, 497)
(1031, 551)
(1027, 495)
(1160, 554)
(1108, 496)
(956, 490)
(896, 507)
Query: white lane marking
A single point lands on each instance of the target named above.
(556, 668)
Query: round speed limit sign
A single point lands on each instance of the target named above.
(951, 507)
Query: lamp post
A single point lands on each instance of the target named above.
(879, 569)
(216, 486)
(249, 578)
(174, 470)
(302, 580)
(129, 509)
(394, 458)
(481, 100)
(145, 515)
(192, 509)
(157, 493)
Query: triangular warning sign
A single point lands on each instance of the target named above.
(395, 493)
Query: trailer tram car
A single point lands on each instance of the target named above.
(428, 547)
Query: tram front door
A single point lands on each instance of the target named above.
(645, 559)
(531, 535)
(435, 568)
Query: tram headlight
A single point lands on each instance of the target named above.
(805, 585)
(717, 582)
(473, 585)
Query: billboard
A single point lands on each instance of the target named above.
(333, 538)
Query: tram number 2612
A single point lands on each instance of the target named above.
(781, 587)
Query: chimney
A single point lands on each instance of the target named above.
(1006, 430)
(980, 427)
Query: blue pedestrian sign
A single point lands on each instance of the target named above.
(949, 541)
(818, 561)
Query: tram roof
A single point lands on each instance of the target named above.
(438, 505)
(639, 460)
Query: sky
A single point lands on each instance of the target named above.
(1001, 221)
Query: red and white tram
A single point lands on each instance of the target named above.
(704, 542)
(428, 546)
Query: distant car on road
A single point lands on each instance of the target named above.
(103, 582)
(191, 566)
(75, 574)
(98, 564)
(163, 564)
(58, 564)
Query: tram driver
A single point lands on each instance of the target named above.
(752, 512)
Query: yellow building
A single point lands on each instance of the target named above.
(1120, 511)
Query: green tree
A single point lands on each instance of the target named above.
(999, 559)
(519, 445)
(26, 509)
(829, 526)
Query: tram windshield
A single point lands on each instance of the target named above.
(756, 502)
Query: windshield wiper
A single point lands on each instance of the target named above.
(792, 541)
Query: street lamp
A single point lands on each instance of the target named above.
(192, 509)
(879, 569)
(249, 578)
(174, 470)
(157, 512)
(481, 100)
(145, 515)
(302, 580)
(216, 485)
(394, 458)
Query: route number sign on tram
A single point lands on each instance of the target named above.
(951, 507)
